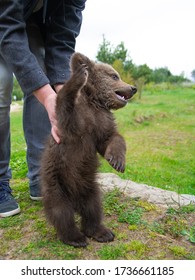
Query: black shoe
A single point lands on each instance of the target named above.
(35, 192)
(8, 205)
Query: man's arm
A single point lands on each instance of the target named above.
(47, 96)
(63, 24)
(15, 49)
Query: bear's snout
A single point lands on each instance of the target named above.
(134, 89)
(125, 93)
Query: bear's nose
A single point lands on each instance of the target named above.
(134, 90)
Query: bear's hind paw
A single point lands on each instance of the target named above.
(77, 244)
(103, 235)
(79, 241)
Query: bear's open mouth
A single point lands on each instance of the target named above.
(122, 95)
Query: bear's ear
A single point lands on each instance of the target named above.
(78, 59)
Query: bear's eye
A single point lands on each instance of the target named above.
(115, 77)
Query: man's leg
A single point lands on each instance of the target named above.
(35, 118)
(8, 205)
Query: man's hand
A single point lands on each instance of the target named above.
(47, 96)
(49, 104)
(58, 87)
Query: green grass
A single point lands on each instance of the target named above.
(155, 234)
(160, 133)
(18, 146)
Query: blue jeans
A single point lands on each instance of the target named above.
(36, 123)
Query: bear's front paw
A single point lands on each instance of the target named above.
(116, 161)
(81, 75)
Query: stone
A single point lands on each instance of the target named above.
(157, 196)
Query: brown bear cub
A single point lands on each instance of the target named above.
(86, 126)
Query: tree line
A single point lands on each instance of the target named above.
(119, 58)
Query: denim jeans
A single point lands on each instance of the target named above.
(36, 123)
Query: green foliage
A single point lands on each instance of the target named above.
(179, 251)
(161, 75)
(190, 234)
(129, 211)
(138, 248)
(182, 209)
(110, 54)
(109, 252)
(131, 217)
(112, 202)
(142, 71)
(132, 250)
(174, 223)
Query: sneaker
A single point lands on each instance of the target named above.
(8, 205)
(35, 192)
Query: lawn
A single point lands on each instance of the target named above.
(160, 133)
(142, 232)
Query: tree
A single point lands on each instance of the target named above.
(108, 54)
(120, 52)
(142, 71)
(105, 52)
(161, 75)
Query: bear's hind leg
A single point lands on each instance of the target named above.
(61, 216)
(91, 215)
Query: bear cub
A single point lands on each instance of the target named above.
(87, 127)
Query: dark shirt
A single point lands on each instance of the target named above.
(60, 22)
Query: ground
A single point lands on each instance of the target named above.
(142, 231)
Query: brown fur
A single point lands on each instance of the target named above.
(86, 127)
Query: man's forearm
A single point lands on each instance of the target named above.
(44, 93)
(47, 97)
